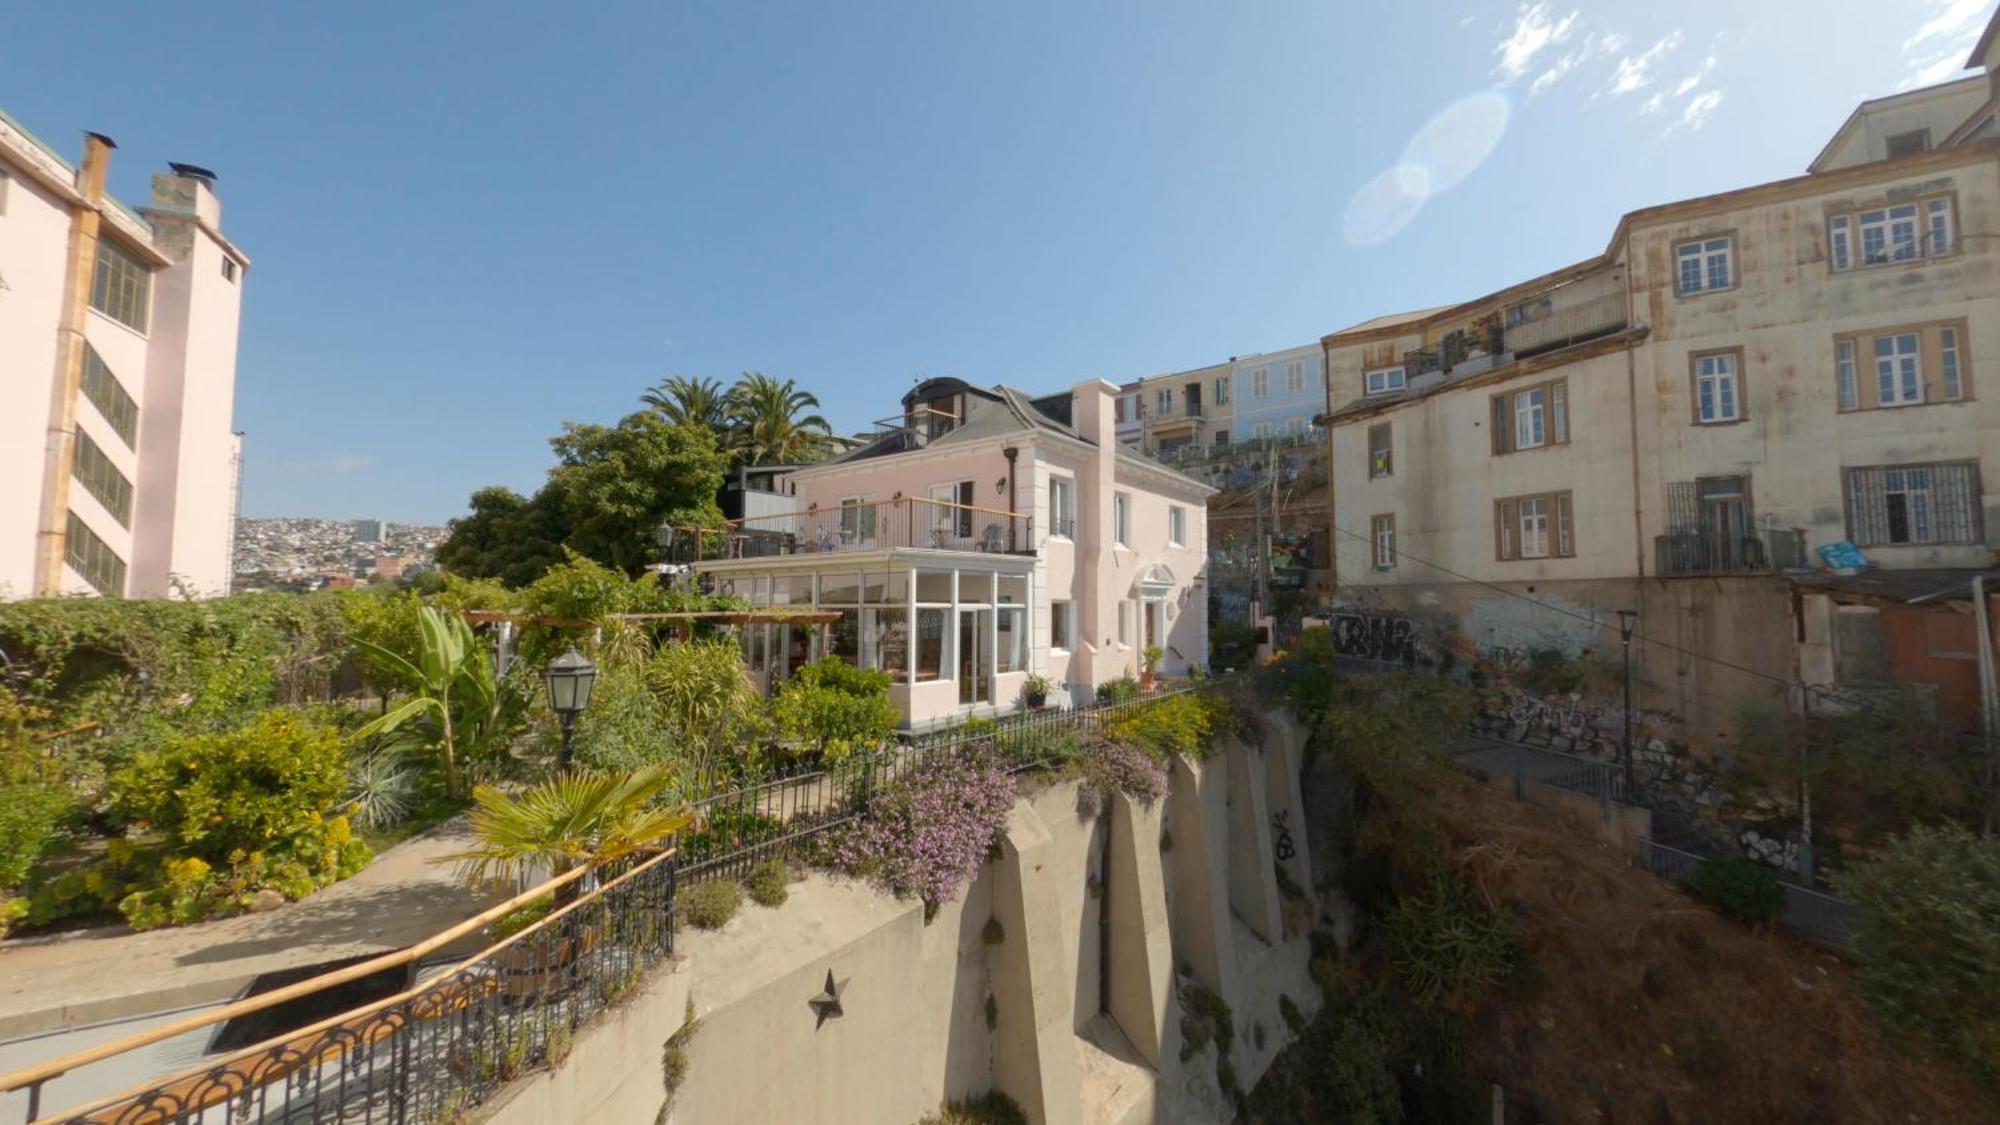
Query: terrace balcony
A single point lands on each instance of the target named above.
(852, 527)
(1690, 553)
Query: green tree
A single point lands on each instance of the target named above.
(575, 818)
(467, 707)
(690, 401)
(772, 421)
(508, 536)
(615, 485)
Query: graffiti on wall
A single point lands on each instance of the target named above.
(1381, 638)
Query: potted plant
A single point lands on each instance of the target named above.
(580, 818)
(1149, 676)
(1035, 690)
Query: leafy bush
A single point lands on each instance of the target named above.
(1117, 767)
(1741, 889)
(705, 695)
(1445, 944)
(928, 832)
(252, 789)
(1930, 943)
(836, 709)
(768, 883)
(710, 904)
(724, 830)
(990, 1108)
(1121, 690)
(1187, 723)
(382, 789)
(1035, 689)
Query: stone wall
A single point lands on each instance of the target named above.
(1056, 977)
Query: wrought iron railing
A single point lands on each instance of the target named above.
(1812, 914)
(874, 525)
(1758, 552)
(434, 1052)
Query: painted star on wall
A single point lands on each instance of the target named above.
(827, 1004)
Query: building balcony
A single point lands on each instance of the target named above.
(882, 525)
(1684, 554)
(1561, 326)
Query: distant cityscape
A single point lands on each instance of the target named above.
(294, 553)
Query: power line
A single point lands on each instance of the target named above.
(1399, 553)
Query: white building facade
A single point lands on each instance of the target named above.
(118, 327)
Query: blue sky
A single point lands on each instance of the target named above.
(471, 223)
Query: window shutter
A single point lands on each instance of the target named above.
(1565, 545)
(1502, 426)
(1559, 412)
(1506, 518)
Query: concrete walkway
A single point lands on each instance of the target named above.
(75, 979)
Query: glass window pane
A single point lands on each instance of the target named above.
(1013, 638)
(885, 642)
(886, 589)
(975, 588)
(839, 589)
(934, 586)
(930, 643)
(792, 589)
(1014, 589)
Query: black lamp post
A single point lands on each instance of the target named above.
(1627, 621)
(664, 536)
(570, 677)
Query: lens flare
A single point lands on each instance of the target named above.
(1386, 204)
(1450, 147)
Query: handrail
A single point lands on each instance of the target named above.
(835, 509)
(56, 1068)
(328, 980)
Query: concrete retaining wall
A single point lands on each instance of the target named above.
(1069, 1002)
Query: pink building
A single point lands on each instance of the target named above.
(984, 536)
(118, 338)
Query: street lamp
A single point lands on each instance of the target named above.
(1628, 620)
(570, 677)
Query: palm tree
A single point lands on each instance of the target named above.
(575, 818)
(772, 427)
(683, 401)
(455, 689)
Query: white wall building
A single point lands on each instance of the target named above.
(118, 330)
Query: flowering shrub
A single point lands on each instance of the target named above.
(1118, 768)
(835, 709)
(1179, 724)
(928, 832)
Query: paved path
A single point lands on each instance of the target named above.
(76, 979)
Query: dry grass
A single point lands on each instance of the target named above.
(1645, 1006)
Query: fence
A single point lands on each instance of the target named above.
(437, 1049)
(874, 525)
(1812, 914)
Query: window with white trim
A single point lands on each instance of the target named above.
(1531, 418)
(1166, 401)
(1908, 365)
(1704, 265)
(1260, 383)
(121, 287)
(1893, 233)
(1534, 527)
(1381, 451)
(1222, 390)
(1382, 533)
(1263, 430)
(1062, 507)
(1062, 624)
(1893, 505)
(1121, 519)
(1718, 395)
(1176, 526)
(1124, 622)
(1384, 380)
(1295, 376)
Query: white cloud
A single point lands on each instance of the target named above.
(1697, 111)
(1937, 50)
(1533, 31)
(1634, 70)
(1693, 80)
(1593, 46)
(1654, 104)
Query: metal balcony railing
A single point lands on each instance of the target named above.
(1759, 552)
(1573, 324)
(870, 526)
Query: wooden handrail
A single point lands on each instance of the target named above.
(55, 1068)
(43, 1073)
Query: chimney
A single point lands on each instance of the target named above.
(96, 164)
(189, 189)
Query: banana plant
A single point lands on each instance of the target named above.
(575, 818)
(454, 688)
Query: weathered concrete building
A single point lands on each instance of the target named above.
(118, 336)
(1737, 389)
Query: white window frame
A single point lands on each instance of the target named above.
(1530, 419)
(1124, 623)
(1718, 389)
(1295, 376)
(1062, 507)
(1263, 430)
(1164, 398)
(1384, 380)
(1176, 526)
(1121, 519)
(1846, 375)
(1260, 383)
(1950, 363)
(1382, 533)
(1062, 611)
(1537, 522)
(1697, 262)
(1899, 375)
(1222, 390)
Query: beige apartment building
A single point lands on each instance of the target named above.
(1187, 409)
(1693, 423)
(118, 331)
